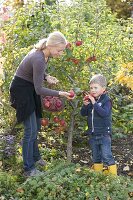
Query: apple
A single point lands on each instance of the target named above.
(78, 43)
(59, 130)
(72, 94)
(62, 122)
(46, 104)
(4, 9)
(58, 103)
(90, 59)
(93, 58)
(44, 122)
(75, 61)
(86, 98)
(56, 119)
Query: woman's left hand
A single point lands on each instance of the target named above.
(51, 79)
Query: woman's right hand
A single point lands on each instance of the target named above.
(66, 94)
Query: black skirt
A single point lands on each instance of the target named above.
(24, 99)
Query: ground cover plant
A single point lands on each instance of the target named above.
(67, 181)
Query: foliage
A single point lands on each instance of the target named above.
(68, 181)
(8, 185)
(122, 8)
(125, 75)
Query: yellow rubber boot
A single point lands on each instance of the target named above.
(98, 167)
(112, 169)
(105, 170)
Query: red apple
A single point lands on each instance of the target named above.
(56, 119)
(46, 102)
(44, 122)
(62, 122)
(72, 94)
(86, 98)
(93, 58)
(78, 43)
(90, 59)
(75, 61)
(4, 9)
(59, 130)
(58, 103)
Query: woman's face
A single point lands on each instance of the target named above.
(56, 51)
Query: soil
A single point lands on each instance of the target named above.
(122, 149)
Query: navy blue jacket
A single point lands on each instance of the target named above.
(99, 117)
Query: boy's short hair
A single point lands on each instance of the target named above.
(99, 79)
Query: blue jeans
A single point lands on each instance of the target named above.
(101, 150)
(30, 148)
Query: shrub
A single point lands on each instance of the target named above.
(69, 181)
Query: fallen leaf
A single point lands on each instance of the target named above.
(130, 174)
(130, 194)
(78, 170)
(126, 168)
(20, 190)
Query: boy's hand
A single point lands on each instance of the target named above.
(86, 102)
(88, 98)
(92, 99)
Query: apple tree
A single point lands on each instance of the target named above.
(97, 44)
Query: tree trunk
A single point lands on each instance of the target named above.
(70, 137)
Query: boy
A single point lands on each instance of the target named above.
(97, 107)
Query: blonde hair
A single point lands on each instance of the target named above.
(53, 39)
(99, 79)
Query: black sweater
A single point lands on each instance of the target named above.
(24, 99)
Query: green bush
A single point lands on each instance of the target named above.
(69, 181)
(8, 186)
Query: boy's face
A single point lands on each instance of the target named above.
(96, 90)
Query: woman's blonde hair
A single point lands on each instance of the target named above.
(53, 39)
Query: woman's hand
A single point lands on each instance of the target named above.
(51, 79)
(66, 94)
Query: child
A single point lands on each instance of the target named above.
(97, 107)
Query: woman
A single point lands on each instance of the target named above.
(25, 91)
